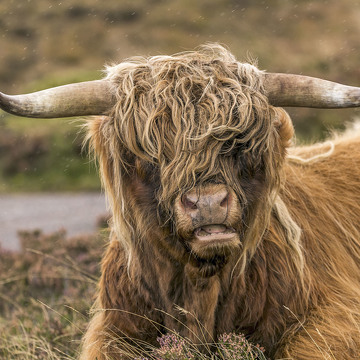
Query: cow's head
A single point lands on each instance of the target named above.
(192, 151)
(191, 146)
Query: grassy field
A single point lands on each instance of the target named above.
(45, 295)
(47, 43)
(46, 292)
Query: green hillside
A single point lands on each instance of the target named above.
(45, 43)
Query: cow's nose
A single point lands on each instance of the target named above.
(208, 205)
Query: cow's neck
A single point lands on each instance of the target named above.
(190, 290)
(201, 304)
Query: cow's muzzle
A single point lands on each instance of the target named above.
(204, 213)
(207, 205)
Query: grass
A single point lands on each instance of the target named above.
(46, 294)
(38, 155)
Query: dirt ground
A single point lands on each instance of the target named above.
(77, 213)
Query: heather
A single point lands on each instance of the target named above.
(229, 346)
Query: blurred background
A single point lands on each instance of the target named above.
(45, 43)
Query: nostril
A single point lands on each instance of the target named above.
(225, 201)
(188, 204)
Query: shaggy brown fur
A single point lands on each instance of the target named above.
(291, 278)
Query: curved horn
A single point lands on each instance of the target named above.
(305, 91)
(85, 98)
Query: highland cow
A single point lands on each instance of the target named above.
(218, 224)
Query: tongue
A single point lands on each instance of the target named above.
(214, 229)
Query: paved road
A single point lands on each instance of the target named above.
(77, 213)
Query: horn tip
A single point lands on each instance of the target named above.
(4, 103)
(10, 104)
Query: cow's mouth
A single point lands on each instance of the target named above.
(214, 232)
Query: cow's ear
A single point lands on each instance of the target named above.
(284, 126)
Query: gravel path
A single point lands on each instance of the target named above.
(77, 213)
